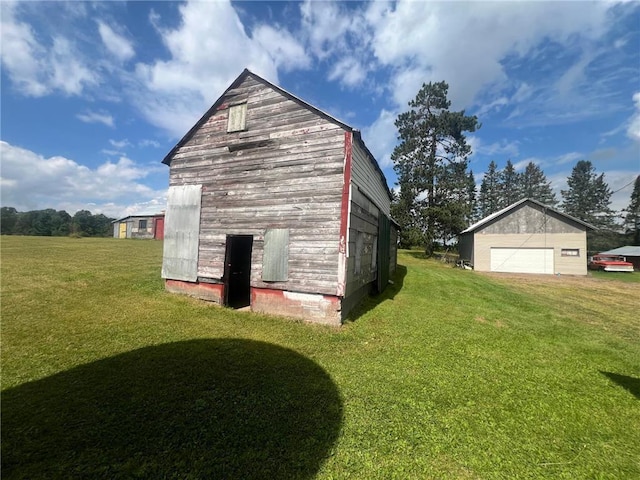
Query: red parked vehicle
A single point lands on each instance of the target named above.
(610, 263)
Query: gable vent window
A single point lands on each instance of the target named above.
(570, 252)
(275, 259)
(237, 118)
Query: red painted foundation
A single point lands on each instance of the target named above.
(309, 307)
(212, 292)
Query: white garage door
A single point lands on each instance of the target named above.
(522, 260)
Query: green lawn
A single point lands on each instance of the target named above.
(449, 374)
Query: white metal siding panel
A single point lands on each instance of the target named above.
(275, 258)
(181, 232)
(367, 178)
(522, 260)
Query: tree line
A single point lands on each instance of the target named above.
(54, 223)
(438, 198)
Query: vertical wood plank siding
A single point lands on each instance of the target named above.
(363, 223)
(285, 171)
(366, 177)
(345, 219)
(369, 202)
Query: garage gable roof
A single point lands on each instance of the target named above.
(513, 206)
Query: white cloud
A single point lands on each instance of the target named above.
(339, 34)
(633, 131)
(496, 104)
(120, 143)
(21, 53)
(380, 137)
(149, 143)
(570, 157)
(96, 117)
(111, 153)
(349, 71)
(502, 147)
(31, 181)
(118, 45)
(467, 43)
(68, 73)
(521, 165)
(474, 46)
(208, 49)
(325, 25)
(287, 53)
(36, 69)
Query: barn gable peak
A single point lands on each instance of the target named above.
(235, 84)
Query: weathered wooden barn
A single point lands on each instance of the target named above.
(276, 205)
(527, 237)
(139, 226)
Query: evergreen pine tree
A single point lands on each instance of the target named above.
(432, 138)
(489, 197)
(454, 201)
(534, 185)
(510, 185)
(632, 217)
(588, 196)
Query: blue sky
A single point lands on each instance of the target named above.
(94, 94)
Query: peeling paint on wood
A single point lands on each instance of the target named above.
(291, 168)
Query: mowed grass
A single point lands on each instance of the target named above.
(449, 374)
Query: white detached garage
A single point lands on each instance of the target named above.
(527, 237)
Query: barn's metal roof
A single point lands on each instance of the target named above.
(506, 210)
(627, 251)
(245, 73)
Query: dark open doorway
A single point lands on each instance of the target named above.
(237, 271)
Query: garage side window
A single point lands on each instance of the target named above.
(275, 258)
(142, 224)
(570, 252)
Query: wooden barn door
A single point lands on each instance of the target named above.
(123, 230)
(237, 271)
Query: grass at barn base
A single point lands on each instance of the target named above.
(449, 374)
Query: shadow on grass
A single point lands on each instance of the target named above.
(630, 384)
(372, 301)
(228, 408)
